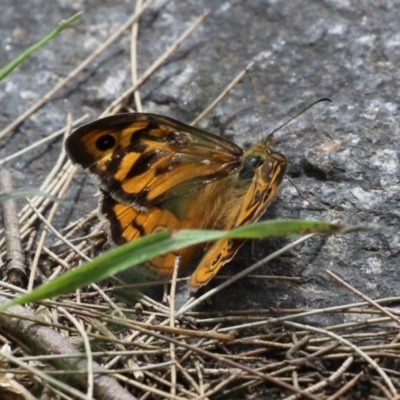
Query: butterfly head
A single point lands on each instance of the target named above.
(262, 153)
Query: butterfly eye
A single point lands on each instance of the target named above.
(253, 162)
(249, 166)
(105, 142)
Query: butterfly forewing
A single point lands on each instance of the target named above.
(145, 159)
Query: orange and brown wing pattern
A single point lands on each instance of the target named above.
(156, 172)
(196, 210)
(145, 159)
(126, 223)
(250, 203)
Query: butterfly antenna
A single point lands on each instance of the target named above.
(255, 98)
(298, 114)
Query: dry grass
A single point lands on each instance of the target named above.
(109, 349)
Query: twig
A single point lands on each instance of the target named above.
(44, 340)
(165, 329)
(223, 285)
(298, 344)
(46, 378)
(52, 212)
(41, 141)
(41, 202)
(314, 312)
(353, 347)
(188, 377)
(16, 265)
(75, 72)
(300, 193)
(57, 234)
(148, 389)
(134, 36)
(384, 390)
(88, 350)
(156, 64)
(218, 389)
(363, 296)
(172, 324)
(325, 382)
(345, 388)
(227, 89)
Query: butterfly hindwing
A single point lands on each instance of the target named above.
(126, 223)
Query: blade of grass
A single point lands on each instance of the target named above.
(19, 60)
(22, 192)
(163, 242)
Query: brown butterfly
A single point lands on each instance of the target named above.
(156, 172)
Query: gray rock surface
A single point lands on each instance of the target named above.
(343, 155)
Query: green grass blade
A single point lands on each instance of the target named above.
(162, 242)
(19, 60)
(24, 192)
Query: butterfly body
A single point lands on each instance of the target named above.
(157, 172)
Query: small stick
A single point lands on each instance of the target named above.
(297, 346)
(352, 346)
(16, 266)
(300, 193)
(53, 210)
(364, 297)
(211, 292)
(42, 141)
(172, 325)
(228, 88)
(88, 350)
(384, 390)
(134, 36)
(44, 340)
(200, 375)
(323, 383)
(266, 277)
(345, 388)
(75, 72)
(153, 67)
(56, 233)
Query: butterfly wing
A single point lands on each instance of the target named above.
(144, 159)
(250, 203)
(198, 210)
(158, 172)
(126, 223)
(154, 172)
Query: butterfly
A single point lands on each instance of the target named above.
(156, 172)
